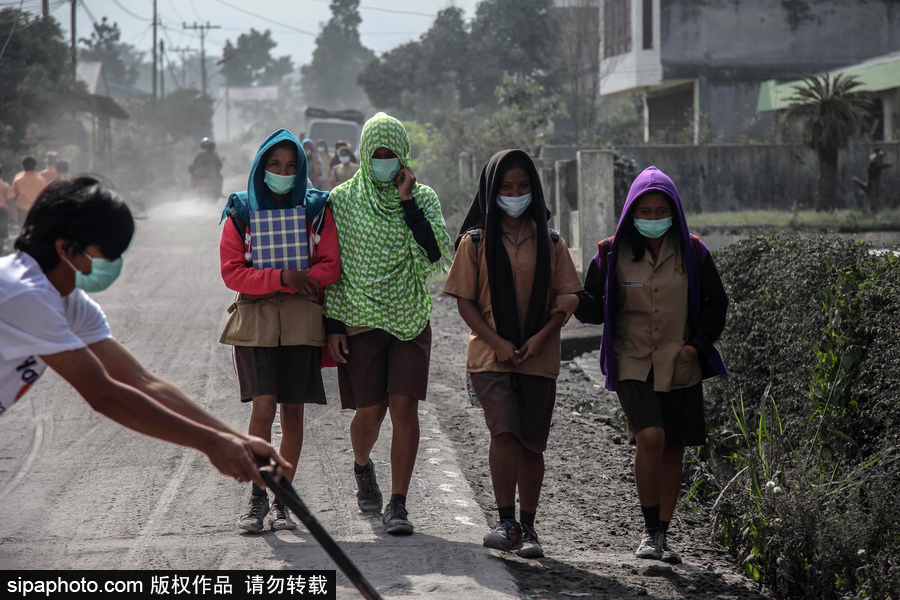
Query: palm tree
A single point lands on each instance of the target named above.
(831, 110)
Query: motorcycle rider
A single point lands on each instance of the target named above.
(207, 165)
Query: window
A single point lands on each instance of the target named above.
(648, 24)
(616, 27)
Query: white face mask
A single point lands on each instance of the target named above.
(343, 158)
(514, 206)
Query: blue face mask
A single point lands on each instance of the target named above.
(514, 206)
(279, 184)
(385, 169)
(653, 228)
(103, 274)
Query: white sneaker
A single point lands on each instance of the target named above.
(650, 547)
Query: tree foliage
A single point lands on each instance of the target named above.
(831, 111)
(426, 78)
(330, 79)
(36, 75)
(457, 65)
(120, 60)
(250, 61)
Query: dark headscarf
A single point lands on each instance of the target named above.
(335, 160)
(486, 215)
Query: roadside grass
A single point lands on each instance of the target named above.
(800, 474)
(795, 219)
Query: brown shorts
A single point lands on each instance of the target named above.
(679, 412)
(293, 374)
(518, 404)
(380, 364)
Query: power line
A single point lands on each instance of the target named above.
(267, 19)
(136, 16)
(391, 10)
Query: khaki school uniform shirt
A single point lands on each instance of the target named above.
(26, 187)
(651, 318)
(468, 280)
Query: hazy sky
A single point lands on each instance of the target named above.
(380, 29)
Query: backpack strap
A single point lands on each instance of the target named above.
(475, 234)
(604, 247)
(238, 221)
(554, 235)
(696, 241)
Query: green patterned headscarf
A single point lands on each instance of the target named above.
(384, 271)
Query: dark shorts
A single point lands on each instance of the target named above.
(380, 364)
(679, 412)
(4, 222)
(293, 374)
(518, 404)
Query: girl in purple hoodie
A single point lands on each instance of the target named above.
(656, 290)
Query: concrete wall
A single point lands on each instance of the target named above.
(729, 46)
(725, 177)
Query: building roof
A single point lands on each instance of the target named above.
(91, 73)
(876, 75)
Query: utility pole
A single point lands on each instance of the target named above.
(162, 70)
(183, 52)
(155, 20)
(203, 29)
(74, 44)
(46, 5)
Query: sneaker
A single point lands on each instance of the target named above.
(506, 535)
(368, 494)
(395, 519)
(650, 547)
(280, 519)
(257, 509)
(531, 547)
(668, 555)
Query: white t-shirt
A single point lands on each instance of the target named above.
(36, 320)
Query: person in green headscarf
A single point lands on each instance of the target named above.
(392, 237)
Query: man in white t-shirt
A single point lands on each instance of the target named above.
(72, 238)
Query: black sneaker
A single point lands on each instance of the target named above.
(506, 535)
(257, 509)
(668, 555)
(531, 547)
(280, 519)
(649, 547)
(395, 520)
(368, 494)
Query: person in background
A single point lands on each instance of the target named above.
(392, 236)
(62, 168)
(346, 168)
(315, 165)
(4, 212)
(50, 173)
(510, 267)
(335, 159)
(207, 165)
(275, 373)
(325, 162)
(26, 187)
(656, 290)
(72, 241)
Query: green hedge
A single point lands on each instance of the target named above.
(803, 467)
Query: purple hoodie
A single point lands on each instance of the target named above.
(652, 179)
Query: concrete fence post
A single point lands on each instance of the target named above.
(596, 201)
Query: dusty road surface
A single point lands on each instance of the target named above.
(79, 492)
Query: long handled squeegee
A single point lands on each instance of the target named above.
(286, 493)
